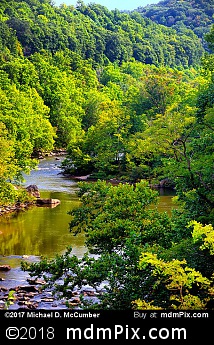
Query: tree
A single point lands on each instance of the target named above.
(162, 89)
(118, 222)
(22, 73)
(121, 211)
(7, 154)
(62, 94)
(182, 16)
(186, 288)
(25, 130)
(131, 239)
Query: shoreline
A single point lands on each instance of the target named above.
(31, 293)
(15, 208)
(10, 209)
(163, 184)
(21, 206)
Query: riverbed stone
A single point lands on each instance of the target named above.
(3, 289)
(5, 268)
(2, 304)
(37, 281)
(33, 190)
(28, 304)
(47, 299)
(75, 300)
(28, 288)
(23, 298)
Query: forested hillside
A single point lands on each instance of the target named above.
(122, 94)
(128, 99)
(94, 33)
(182, 15)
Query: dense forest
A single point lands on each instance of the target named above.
(128, 99)
(181, 15)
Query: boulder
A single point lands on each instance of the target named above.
(27, 288)
(33, 190)
(5, 267)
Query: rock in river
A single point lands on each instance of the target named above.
(5, 267)
(33, 190)
(47, 201)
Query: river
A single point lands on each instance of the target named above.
(39, 231)
(43, 231)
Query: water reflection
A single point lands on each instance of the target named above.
(166, 203)
(40, 230)
(43, 231)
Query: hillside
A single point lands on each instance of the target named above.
(181, 15)
(94, 33)
(130, 101)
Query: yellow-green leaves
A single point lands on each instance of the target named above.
(183, 283)
(203, 233)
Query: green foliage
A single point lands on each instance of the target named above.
(24, 127)
(178, 144)
(210, 38)
(204, 234)
(7, 153)
(95, 33)
(121, 109)
(120, 212)
(185, 247)
(184, 284)
(196, 15)
(127, 233)
(10, 299)
(70, 57)
(118, 223)
(26, 119)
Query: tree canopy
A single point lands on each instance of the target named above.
(182, 15)
(128, 99)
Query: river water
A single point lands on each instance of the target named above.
(39, 231)
(43, 231)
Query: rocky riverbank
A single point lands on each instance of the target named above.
(4, 210)
(20, 206)
(32, 296)
(18, 290)
(34, 194)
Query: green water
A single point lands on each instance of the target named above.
(40, 230)
(43, 231)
